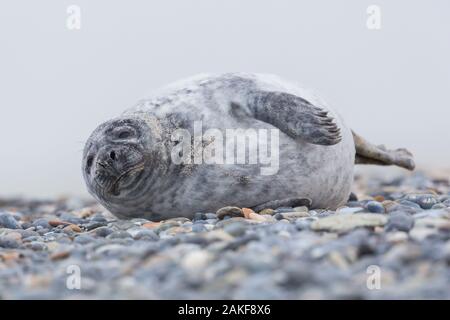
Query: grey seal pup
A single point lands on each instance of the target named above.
(131, 164)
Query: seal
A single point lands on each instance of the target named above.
(149, 162)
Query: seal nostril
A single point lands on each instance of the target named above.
(112, 155)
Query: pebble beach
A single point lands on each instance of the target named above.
(390, 241)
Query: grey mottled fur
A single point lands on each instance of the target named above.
(317, 150)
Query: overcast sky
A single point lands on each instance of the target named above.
(392, 85)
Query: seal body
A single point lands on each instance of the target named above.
(129, 162)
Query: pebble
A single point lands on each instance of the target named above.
(37, 246)
(84, 239)
(8, 221)
(43, 223)
(425, 201)
(119, 235)
(287, 253)
(345, 223)
(9, 242)
(304, 223)
(292, 215)
(103, 231)
(267, 211)
(146, 234)
(400, 221)
(348, 210)
(235, 229)
(198, 227)
(229, 211)
(375, 207)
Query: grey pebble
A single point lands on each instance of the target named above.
(229, 211)
(375, 207)
(400, 221)
(235, 229)
(198, 227)
(8, 221)
(119, 235)
(103, 231)
(8, 242)
(146, 234)
(37, 246)
(43, 223)
(84, 239)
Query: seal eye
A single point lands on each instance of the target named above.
(123, 133)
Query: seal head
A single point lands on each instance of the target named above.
(116, 160)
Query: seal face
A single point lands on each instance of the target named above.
(115, 159)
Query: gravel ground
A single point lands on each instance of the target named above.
(391, 240)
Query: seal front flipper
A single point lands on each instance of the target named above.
(290, 202)
(295, 116)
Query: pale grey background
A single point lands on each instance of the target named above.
(391, 85)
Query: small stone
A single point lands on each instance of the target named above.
(426, 201)
(73, 228)
(439, 206)
(37, 246)
(304, 223)
(409, 203)
(43, 223)
(9, 242)
(256, 217)
(94, 225)
(400, 221)
(60, 255)
(209, 216)
(8, 221)
(199, 216)
(103, 231)
(198, 227)
(246, 212)
(196, 261)
(55, 223)
(98, 217)
(379, 198)
(146, 234)
(438, 223)
(295, 215)
(267, 211)
(348, 210)
(352, 197)
(375, 207)
(84, 213)
(284, 209)
(119, 235)
(397, 237)
(344, 223)
(301, 209)
(229, 211)
(235, 229)
(84, 239)
(151, 225)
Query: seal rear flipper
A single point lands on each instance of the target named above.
(367, 153)
(295, 116)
